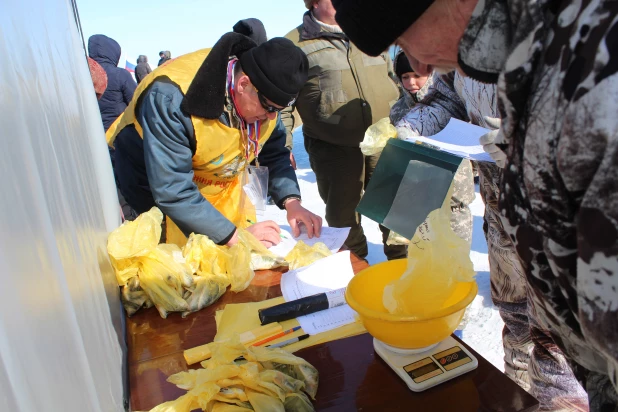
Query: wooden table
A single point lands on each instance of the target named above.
(352, 376)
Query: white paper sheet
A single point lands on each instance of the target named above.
(332, 237)
(459, 138)
(331, 273)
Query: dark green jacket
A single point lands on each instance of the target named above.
(347, 91)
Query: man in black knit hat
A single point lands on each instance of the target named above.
(190, 133)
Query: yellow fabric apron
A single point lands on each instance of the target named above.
(220, 156)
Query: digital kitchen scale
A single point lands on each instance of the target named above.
(425, 368)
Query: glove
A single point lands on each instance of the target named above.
(489, 142)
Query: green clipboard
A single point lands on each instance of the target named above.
(410, 180)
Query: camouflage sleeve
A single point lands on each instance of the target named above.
(588, 159)
(432, 113)
(287, 117)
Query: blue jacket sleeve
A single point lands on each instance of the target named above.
(128, 88)
(282, 181)
(168, 133)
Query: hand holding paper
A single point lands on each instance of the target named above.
(488, 141)
(299, 215)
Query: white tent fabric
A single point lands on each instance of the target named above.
(61, 330)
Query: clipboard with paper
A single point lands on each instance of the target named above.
(409, 181)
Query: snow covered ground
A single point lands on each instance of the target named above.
(483, 325)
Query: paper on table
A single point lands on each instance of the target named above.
(332, 237)
(459, 138)
(237, 318)
(331, 273)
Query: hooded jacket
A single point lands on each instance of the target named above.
(347, 90)
(557, 73)
(142, 69)
(407, 100)
(167, 55)
(120, 83)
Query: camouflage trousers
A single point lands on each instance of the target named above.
(463, 195)
(531, 358)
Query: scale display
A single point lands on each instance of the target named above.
(421, 371)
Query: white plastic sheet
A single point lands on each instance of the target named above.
(61, 327)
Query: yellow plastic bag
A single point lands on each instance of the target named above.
(297, 402)
(133, 240)
(304, 255)
(203, 255)
(377, 136)
(261, 382)
(226, 407)
(239, 267)
(264, 403)
(438, 260)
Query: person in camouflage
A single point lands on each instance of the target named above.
(536, 364)
(556, 66)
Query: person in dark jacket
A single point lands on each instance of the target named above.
(119, 92)
(142, 69)
(164, 56)
(252, 28)
(120, 84)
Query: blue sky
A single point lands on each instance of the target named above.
(181, 26)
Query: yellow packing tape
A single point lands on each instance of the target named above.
(236, 318)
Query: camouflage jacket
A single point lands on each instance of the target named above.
(556, 66)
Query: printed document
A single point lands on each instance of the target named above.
(459, 138)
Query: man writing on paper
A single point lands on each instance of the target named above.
(192, 130)
(555, 64)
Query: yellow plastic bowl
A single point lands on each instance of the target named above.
(364, 295)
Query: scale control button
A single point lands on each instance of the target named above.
(452, 358)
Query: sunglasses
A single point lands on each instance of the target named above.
(266, 106)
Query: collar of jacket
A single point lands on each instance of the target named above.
(206, 95)
(312, 30)
(495, 28)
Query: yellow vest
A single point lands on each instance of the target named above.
(220, 157)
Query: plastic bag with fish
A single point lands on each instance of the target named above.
(285, 362)
(261, 257)
(163, 279)
(207, 289)
(297, 402)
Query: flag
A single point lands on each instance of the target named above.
(129, 67)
